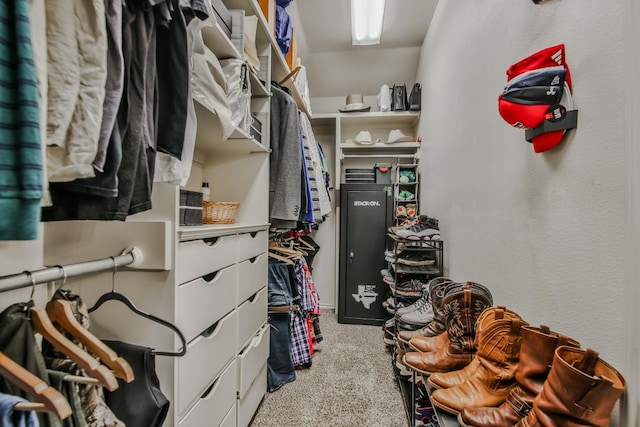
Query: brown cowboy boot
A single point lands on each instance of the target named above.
(462, 304)
(498, 340)
(536, 355)
(437, 290)
(581, 390)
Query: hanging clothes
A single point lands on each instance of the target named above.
(286, 161)
(96, 412)
(300, 345)
(280, 369)
(71, 392)
(18, 342)
(20, 152)
(12, 418)
(322, 204)
(151, 405)
(77, 73)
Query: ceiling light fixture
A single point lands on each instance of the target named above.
(366, 21)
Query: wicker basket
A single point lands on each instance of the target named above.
(219, 212)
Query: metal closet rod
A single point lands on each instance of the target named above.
(130, 256)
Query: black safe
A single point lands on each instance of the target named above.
(366, 211)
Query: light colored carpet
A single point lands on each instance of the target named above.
(350, 384)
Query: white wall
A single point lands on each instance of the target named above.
(545, 232)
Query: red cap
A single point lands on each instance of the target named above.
(547, 141)
(521, 115)
(549, 57)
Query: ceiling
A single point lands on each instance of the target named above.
(336, 68)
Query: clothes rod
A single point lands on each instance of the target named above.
(129, 257)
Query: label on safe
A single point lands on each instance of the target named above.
(366, 295)
(366, 203)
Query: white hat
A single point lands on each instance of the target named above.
(363, 138)
(396, 135)
(355, 103)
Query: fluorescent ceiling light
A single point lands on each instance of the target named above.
(366, 21)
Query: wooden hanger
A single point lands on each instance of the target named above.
(280, 258)
(47, 397)
(276, 247)
(306, 244)
(60, 312)
(43, 325)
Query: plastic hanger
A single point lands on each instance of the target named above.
(43, 325)
(47, 397)
(115, 296)
(60, 312)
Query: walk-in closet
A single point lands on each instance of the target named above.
(319, 213)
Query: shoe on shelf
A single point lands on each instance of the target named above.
(419, 231)
(401, 212)
(415, 258)
(410, 288)
(411, 210)
(418, 318)
(407, 176)
(406, 195)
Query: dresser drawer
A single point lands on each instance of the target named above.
(216, 402)
(252, 244)
(203, 301)
(251, 315)
(251, 359)
(252, 276)
(199, 257)
(205, 358)
(230, 419)
(248, 405)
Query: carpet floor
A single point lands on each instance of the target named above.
(350, 384)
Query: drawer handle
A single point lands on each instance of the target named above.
(212, 388)
(211, 331)
(209, 277)
(253, 234)
(253, 260)
(216, 274)
(210, 241)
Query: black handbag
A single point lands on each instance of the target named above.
(399, 98)
(415, 98)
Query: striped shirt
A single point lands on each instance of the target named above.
(20, 154)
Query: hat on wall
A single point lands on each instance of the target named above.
(355, 103)
(538, 89)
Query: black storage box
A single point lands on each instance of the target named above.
(224, 16)
(190, 207)
(383, 173)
